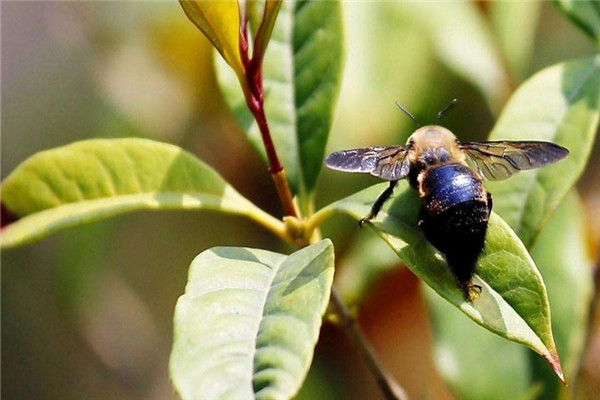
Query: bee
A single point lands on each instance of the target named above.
(448, 176)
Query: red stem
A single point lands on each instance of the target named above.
(274, 164)
(255, 100)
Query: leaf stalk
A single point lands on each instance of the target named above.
(315, 220)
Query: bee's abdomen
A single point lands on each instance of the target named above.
(445, 186)
(454, 215)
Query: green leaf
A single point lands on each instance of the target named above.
(585, 14)
(219, 21)
(468, 48)
(95, 179)
(515, 24)
(461, 350)
(248, 322)
(513, 302)
(559, 104)
(302, 72)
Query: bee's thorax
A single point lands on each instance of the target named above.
(431, 146)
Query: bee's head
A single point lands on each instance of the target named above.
(432, 143)
(431, 136)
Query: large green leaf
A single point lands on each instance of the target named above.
(461, 350)
(302, 71)
(513, 303)
(248, 322)
(95, 179)
(584, 13)
(559, 104)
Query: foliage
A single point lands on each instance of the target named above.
(568, 102)
(514, 373)
(301, 83)
(249, 320)
(504, 266)
(586, 14)
(96, 179)
(220, 24)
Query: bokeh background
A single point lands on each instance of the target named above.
(87, 313)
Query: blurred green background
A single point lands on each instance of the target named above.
(87, 313)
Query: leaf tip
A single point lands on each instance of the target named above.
(554, 362)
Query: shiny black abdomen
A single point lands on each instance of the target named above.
(454, 215)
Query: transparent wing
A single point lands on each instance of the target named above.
(389, 163)
(500, 160)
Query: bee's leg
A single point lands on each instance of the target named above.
(490, 203)
(471, 290)
(383, 197)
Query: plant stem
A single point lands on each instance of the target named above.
(315, 220)
(254, 94)
(275, 167)
(270, 223)
(389, 387)
(261, 119)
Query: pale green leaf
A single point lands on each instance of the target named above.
(461, 350)
(248, 322)
(559, 104)
(302, 71)
(513, 302)
(95, 179)
(585, 14)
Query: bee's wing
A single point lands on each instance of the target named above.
(389, 163)
(499, 160)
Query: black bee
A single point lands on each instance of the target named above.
(455, 207)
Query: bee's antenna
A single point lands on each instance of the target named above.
(405, 111)
(445, 109)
